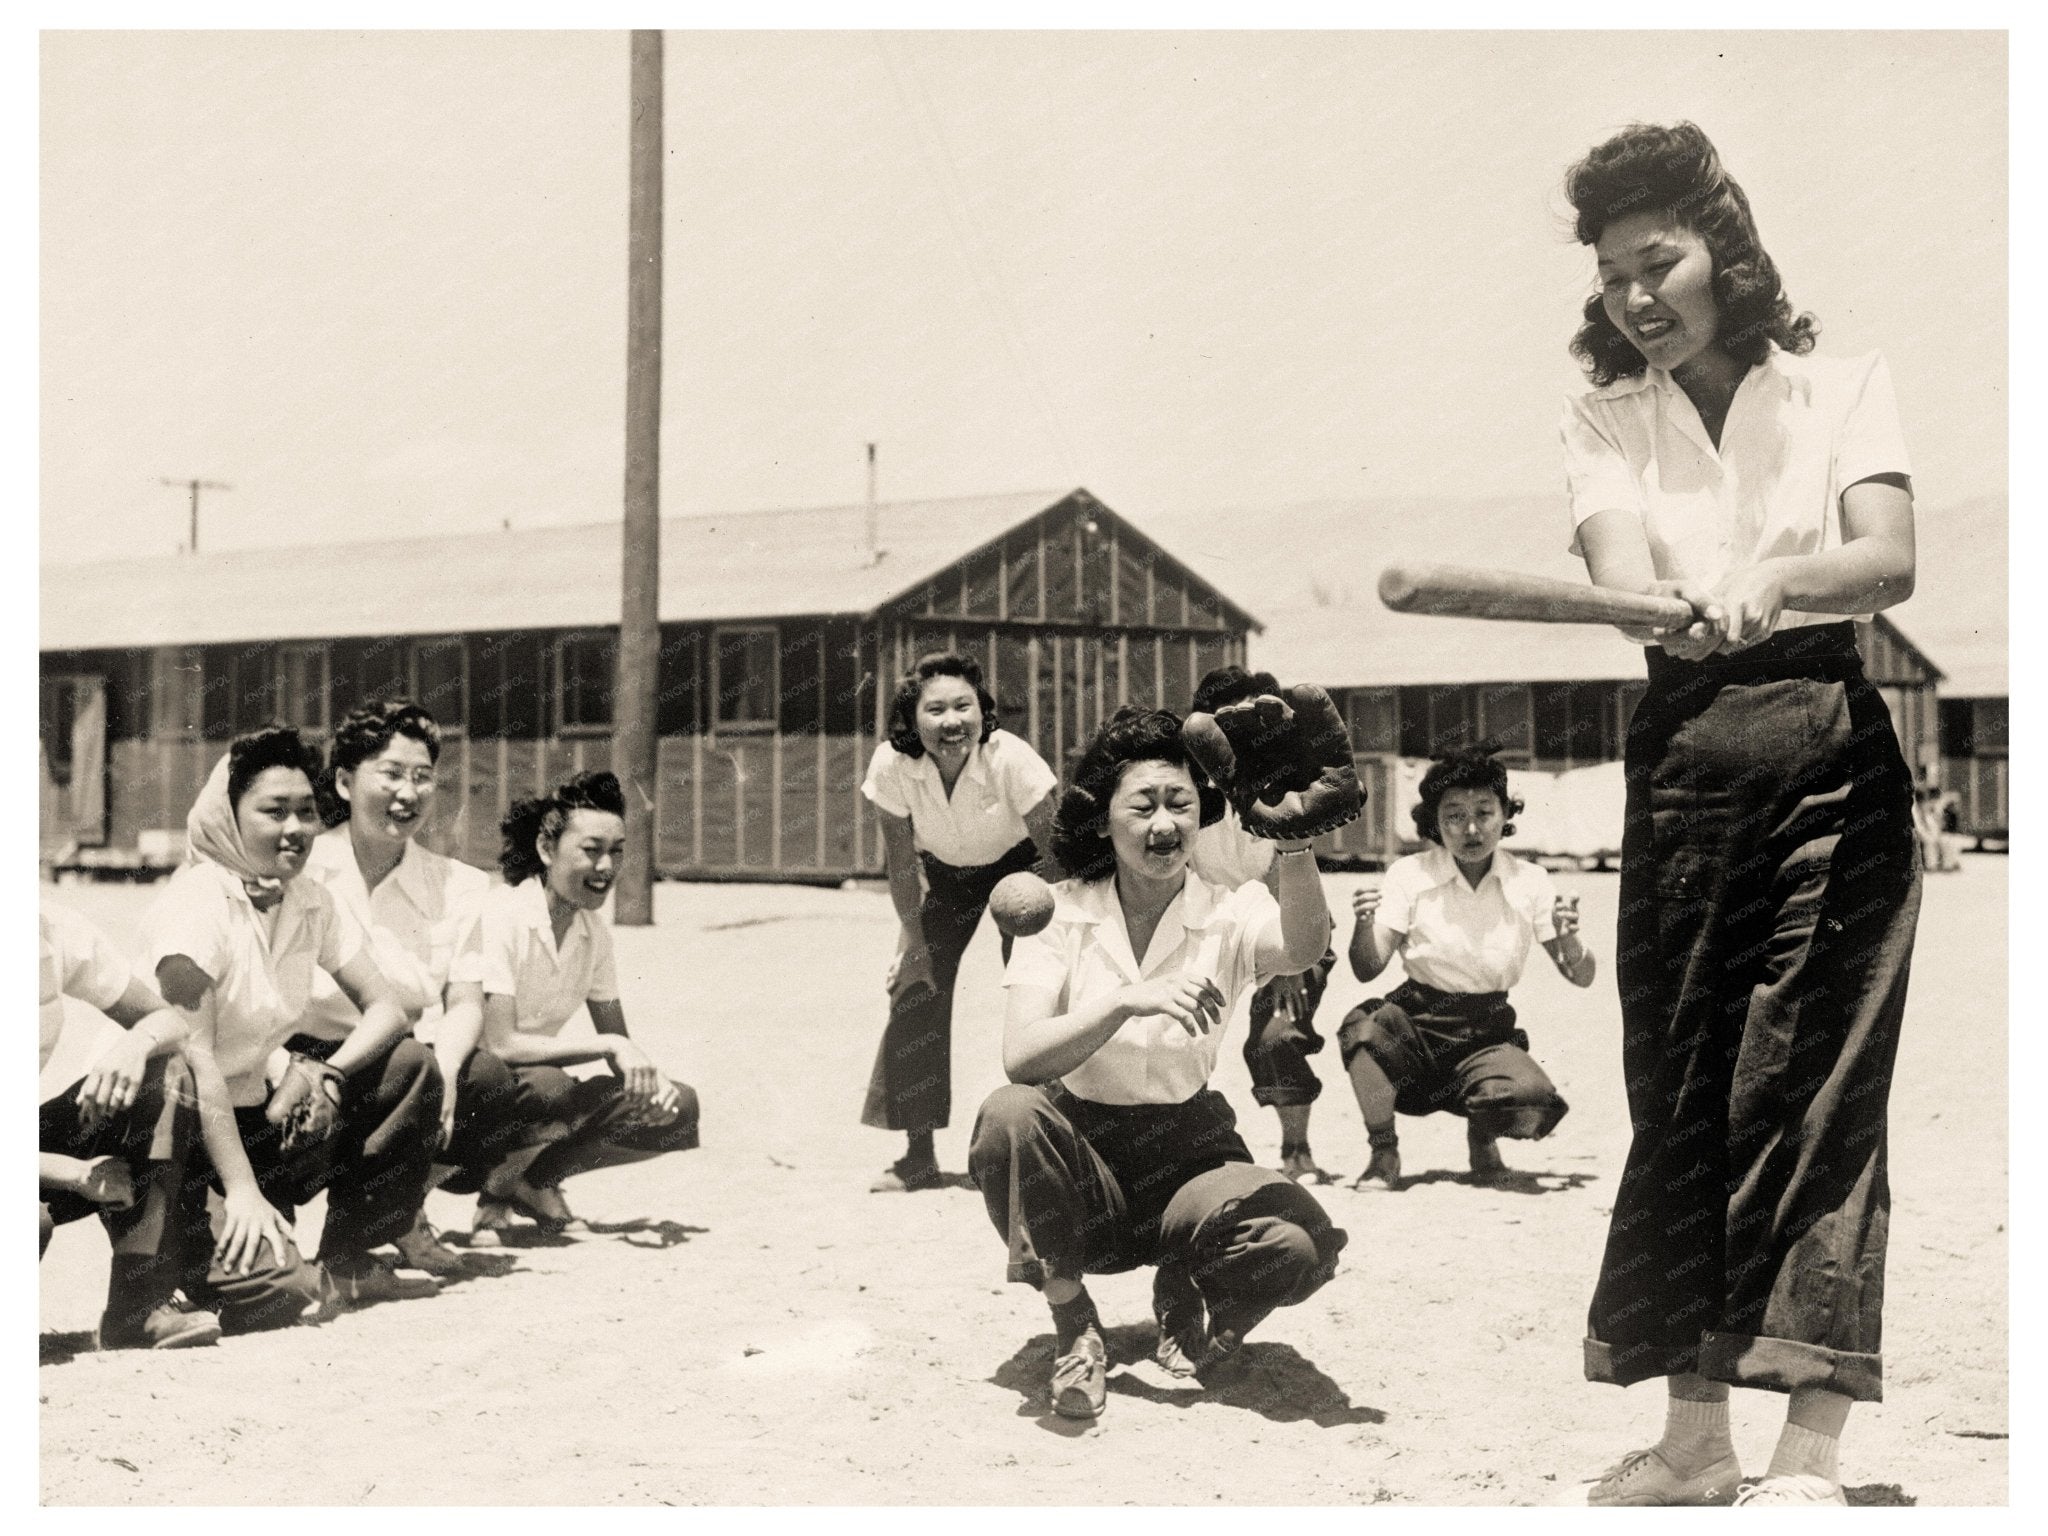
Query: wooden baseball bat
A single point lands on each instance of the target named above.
(1480, 594)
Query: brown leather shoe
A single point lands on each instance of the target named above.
(169, 1326)
(366, 1281)
(422, 1249)
(1080, 1378)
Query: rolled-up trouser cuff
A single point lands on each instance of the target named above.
(1786, 1365)
(1743, 1360)
(1285, 1094)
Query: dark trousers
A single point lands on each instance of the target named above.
(1277, 1049)
(911, 1087)
(604, 1129)
(1076, 1187)
(498, 1110)
(154, 1138)
(373, 1166)
(1769, 892)
(1458, 1052)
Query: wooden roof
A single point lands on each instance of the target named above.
(756, 565)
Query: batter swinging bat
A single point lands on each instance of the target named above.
(1478, 594)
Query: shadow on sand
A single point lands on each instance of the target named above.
(62, 1348)
(645, 1232)
(1516, 1181)
(1272, 1380)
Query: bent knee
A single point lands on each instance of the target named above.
(1012, 1110)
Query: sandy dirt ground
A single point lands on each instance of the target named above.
(744, 1324)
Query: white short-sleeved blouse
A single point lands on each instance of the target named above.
(984, 817)
(422, 923)
(1800, 431)
(1462, 938)
(1085, 954)
(262, 963)
(521, 960)
(75, 960)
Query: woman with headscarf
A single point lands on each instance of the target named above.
(233, 942)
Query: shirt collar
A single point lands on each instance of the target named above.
(1442, 868)
(975, 771)
(334, 857)
(533, 911)
(1094, 904)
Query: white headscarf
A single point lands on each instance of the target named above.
(211, 832)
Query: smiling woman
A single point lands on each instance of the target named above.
(547, 953)
(1108, 1150)
(234, 941)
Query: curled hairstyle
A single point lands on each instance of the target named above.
(365, 733)
(1647, 168)
(1229, 685)
(1463, 770)
(544, 817)
(1132, 735)
(269, 746)
(903, 708)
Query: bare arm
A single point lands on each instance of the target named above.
(1303, 932)
(384, 1023)
(1871, 570)
(906, 893)
(518, 1047)
(1373, 943)
(151, 1031)
(250, 1220)
(1040, 1044)
(1571, 957)
(1618, 555)
(1038, 822)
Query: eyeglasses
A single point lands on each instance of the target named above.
(392, 778)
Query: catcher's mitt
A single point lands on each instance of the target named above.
(306, 1102)
(1283, 762)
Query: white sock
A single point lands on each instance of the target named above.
(1695, 1434)
(1808, 1453)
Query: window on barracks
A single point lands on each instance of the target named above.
(302, 686)
(585, 665)
(1574, 723)
(744, 684)
(442, 671)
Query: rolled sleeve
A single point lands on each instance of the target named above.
(1871, 442)
(189, 919)
(94, 970)
(1025, 778)
(1398, 890)
(883, 785)
(497, 960)
(1597, 474)
(341, 934)
(1039, 960)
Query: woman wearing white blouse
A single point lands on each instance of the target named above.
(1108, 1150)
(962, 803)
(234, 941)
(1769, 884)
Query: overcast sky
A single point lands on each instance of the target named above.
(375, 281)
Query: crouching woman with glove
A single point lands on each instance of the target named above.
(233, 942)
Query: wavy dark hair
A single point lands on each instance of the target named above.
(544, 817)
(1229, 685)
(366, 731)
(1463, 770)
(268, 746)
(903, 708)
(1132, 735)
(1648, 168)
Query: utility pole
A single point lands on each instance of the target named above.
(195, 487)
(633, 708)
